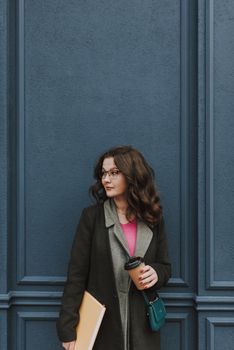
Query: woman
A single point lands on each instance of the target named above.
(127, 220)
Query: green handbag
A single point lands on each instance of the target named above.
(156, 312)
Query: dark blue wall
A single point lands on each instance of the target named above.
(77, 77)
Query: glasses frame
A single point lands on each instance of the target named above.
(112, 173)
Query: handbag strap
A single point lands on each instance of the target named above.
(147, 301)
(145, 298)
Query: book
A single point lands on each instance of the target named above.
(91, 315)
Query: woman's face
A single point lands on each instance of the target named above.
(113, 181)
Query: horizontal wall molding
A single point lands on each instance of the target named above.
(221, 285)
(178, 299)
(220, 303)
(29, 298)
(43, 280)
(199, 303)
(177, 282)
(57, 280)
(25, 315)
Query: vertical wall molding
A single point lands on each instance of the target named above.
(4, 329)
(3, 145)
(20, 155)
(4, 172)
(209, 141)
(185, 150)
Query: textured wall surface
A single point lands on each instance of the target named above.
(77, 77)
(215, 175)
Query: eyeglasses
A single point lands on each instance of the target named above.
(113, 174)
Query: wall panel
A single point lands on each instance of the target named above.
(77, 77)
(216, 330)
(179, 331)
(48, 165)
(77, 70)
(220, 332)
(219, 158)
(36, 330)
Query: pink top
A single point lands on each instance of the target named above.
(130, 230)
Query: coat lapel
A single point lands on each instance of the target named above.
(144, 237)
(144, 233)
(111, 219)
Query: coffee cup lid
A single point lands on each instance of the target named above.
(133, 262)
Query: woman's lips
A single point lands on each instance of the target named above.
(108, 188)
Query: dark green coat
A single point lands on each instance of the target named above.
(91, 268)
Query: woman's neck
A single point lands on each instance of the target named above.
(121, 208)
(121, 205)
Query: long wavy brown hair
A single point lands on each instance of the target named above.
(142, 196)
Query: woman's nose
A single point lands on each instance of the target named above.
(107, 178)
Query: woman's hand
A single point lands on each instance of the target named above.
(148, 277)
(69, 346)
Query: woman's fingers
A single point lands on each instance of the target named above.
(69, 345)
(72, 346)
(150, 284)
(148, 276)
(147, 271)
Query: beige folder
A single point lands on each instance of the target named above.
(91, 315)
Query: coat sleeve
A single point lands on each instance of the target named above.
(162, 264)
(77, 276)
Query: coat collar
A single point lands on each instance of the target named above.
(144, 233)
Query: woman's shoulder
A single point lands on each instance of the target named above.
(92, 213)
(93, 209)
